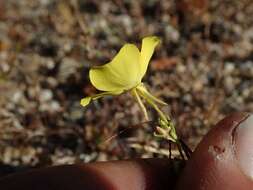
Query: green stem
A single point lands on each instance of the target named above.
(143, 89)
(140, 103)
(161, 114)
(165, 120)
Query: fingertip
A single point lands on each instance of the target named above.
(213, 164)
(148, 174)
(139, 174)
(65, 177)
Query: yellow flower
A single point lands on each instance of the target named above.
(124, 72)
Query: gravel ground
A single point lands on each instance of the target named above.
(203, 69)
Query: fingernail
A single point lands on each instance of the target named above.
(243, 144)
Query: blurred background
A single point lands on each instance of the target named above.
(203, 69)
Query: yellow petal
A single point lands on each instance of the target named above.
(85, 101)
(147, 50)
(122, 73)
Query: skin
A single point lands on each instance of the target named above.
(213, 165)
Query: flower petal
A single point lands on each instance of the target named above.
(85, 101)
(147, 50)
(122, 73)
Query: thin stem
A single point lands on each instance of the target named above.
(170, 149)
(143, 89)
(180, 150)
(166, 129)
(140, 103)
(186, 149)
(165, 120)
(161, 114)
